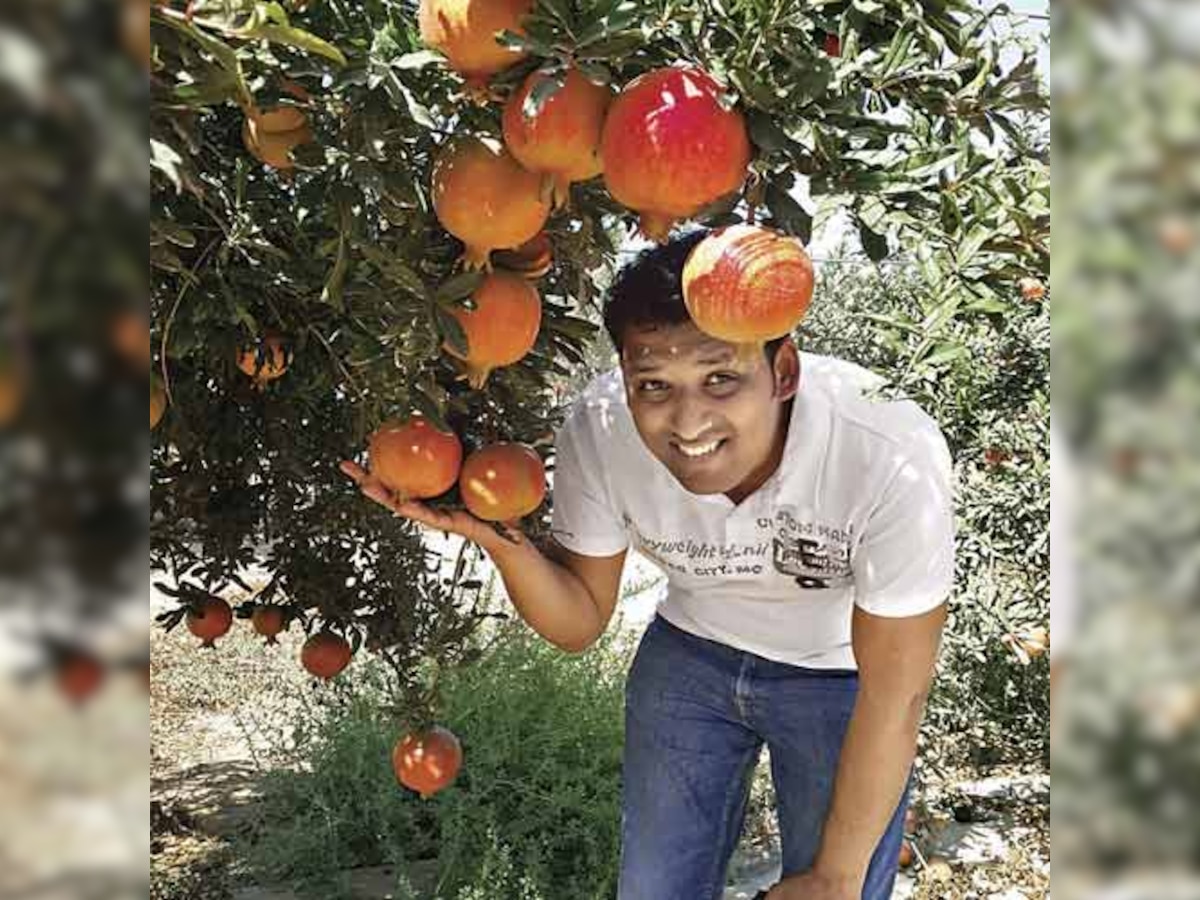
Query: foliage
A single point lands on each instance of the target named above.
(540, 789)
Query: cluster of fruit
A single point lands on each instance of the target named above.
(426, 760)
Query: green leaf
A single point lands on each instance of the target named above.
(459, 287)
(395, 270)
(614, 46)
(175, 233)
(332, 292)
(945, 353)
(451, 329)
(596, 73)
(220, 51)
(765, 133)
(166, 160)
(874, 244)
(788, 214)
(970, 245)
(403, 98)
(541, 94)
(418, 60)
(301, 40)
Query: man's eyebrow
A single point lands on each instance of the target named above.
(721, 356)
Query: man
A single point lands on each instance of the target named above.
(806, 532)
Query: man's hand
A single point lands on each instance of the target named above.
(452, 521)
(815, 886)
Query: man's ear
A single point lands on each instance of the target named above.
(787, 370)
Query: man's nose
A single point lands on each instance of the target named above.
(690, 422)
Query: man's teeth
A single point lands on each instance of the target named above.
(702, 450)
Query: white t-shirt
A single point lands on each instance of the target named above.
(859, 512)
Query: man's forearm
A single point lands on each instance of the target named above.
(551, 600)
(875, 762)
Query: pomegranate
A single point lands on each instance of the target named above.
(466, 30)
(907, 855)
(272, 134)
(158, 403)
(325, 654)
(501, 328)
(502, 482)
(414, 459)
(268, 621)
(131, 338)
(265, 362)
(427, 761)
(484, 198)
(832, 45)
(562, 141)
(531, 260)
(12, 396)
(1031, 289)
(669, 148)
(747, 285)
(209, 619)
(79, 676)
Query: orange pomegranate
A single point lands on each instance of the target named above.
(415, 459)
(12, 395)
(325, 654)
(531, 260)
(669, 148)
(427, 761)
(268, 621)
(907, 855)
(1031, 289)
(502, 482)
(158, 403)
(465, 31)
(79, 676)
(209, 619)
(272, 134)
(265, 361)
(747, 285)
(131, 338)
(484, 198)
(562, 140)
(501, 328)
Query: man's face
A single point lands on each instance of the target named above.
(713, 418)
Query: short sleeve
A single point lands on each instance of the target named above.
(584, 520)
(904, 564)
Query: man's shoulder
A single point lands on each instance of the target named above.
(860, 402)
(600, 404)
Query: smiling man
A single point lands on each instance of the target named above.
(806, 530)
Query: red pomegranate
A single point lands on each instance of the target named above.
(483, 197)
(415, 459)
(502, 482)
(266, 361)
(268, 621)
(562, 140)
(669, 148)
(79, 676)
(531, 260)
(832, 45)
(209, 619)
(747, 285)
(427, 761)
(325, 654)
(465, 31)
(501, 328)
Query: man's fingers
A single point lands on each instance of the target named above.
(354, 471)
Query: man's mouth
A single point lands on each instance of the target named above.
(699, 451)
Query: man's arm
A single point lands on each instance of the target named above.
(565, 597)
(896, 658)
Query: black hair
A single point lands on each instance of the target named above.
(649, 290)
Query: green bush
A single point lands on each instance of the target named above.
(534, 813)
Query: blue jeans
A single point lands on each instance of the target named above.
(697, 714)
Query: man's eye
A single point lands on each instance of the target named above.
(648, 387)
(722, 378)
